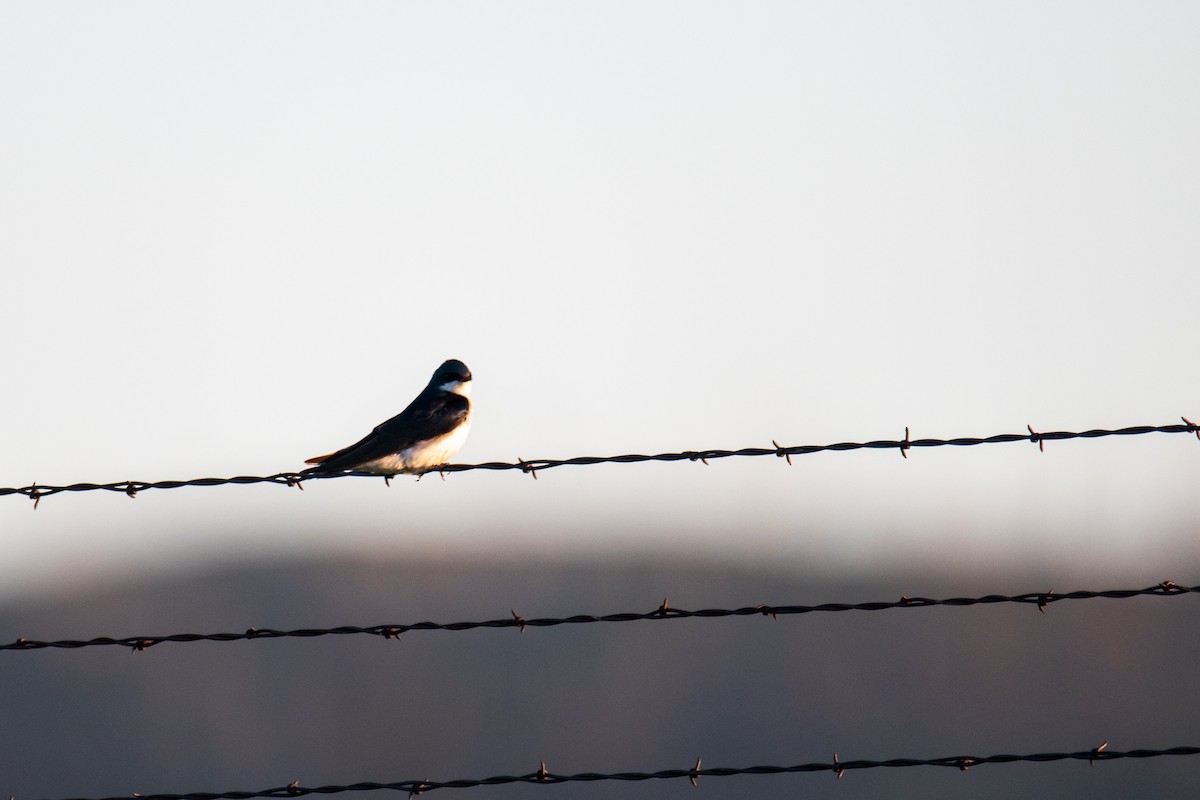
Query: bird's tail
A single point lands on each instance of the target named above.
(318, 471)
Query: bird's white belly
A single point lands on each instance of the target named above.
(418, 458)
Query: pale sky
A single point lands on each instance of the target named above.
(235, 235)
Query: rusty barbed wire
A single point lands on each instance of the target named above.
(663, 612)
(544, 777)
(533, 466)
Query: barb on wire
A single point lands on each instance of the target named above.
(533, 466)
(662, 612)
(544, 777)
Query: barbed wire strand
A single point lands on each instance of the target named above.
(544, 777)
(663, 612)
(532, 467)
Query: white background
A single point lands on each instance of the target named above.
(236, 235)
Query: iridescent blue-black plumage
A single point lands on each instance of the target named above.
(420, 438)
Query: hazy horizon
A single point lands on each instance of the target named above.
(648, 695)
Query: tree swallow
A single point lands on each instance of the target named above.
(419, 439)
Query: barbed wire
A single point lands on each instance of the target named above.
(663, 612)
(533, 466)
(544, 777)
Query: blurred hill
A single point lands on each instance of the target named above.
(606, 697)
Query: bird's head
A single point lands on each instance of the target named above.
(453, 376)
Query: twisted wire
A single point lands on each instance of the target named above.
(663, 612)
(544, 777)
(532, 467)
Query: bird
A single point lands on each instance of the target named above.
(419, 439)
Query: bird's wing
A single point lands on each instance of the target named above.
(423, 419)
